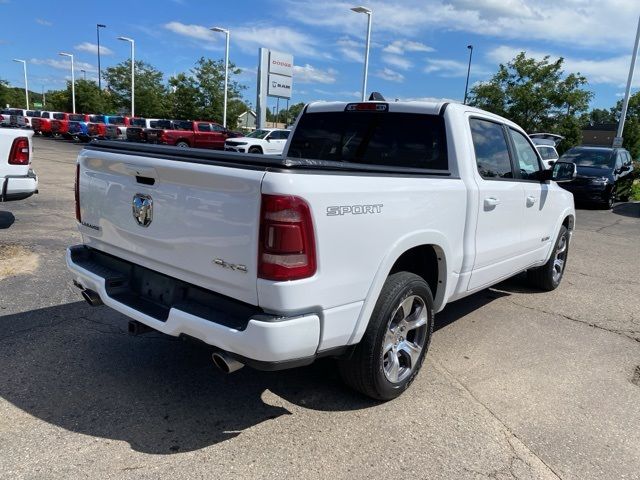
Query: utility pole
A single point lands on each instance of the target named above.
(625, 103)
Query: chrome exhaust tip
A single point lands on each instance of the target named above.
(225, 362)
(91, 297)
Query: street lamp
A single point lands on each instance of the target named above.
(26, 85)
(98, 27)
(73, 80)
(133, 71)
(369, 13)
(84, 73)
(466, 86)
(226, 71)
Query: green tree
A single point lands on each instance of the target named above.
(59, 100)
(4, 93)
(151, 94)
(537, 95)
(209, 77)
(182, 101)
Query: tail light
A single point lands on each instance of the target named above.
(163, 136)
(19, 154)
(76, 191)
(287, 246)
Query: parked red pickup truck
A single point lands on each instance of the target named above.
(60, 124)
(198, 134)
(42, 124)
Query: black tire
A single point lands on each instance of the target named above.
(607, 203)
(543, 277)
(255, 150)
(182, 144)
(364, 370)
(624, 198)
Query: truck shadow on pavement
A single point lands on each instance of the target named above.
(6, 219)
(76, 367)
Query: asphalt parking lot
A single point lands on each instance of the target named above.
(517, 383)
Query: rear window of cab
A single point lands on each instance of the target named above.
(379, 138)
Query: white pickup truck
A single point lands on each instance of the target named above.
(377, 215)
(17, 179)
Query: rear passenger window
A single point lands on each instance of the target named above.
(490, 145)
(204, 127)
(525, 156)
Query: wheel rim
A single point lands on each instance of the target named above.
(560, 259)
(404, 339)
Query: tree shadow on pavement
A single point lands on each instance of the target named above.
(627, 209)
(6, 219)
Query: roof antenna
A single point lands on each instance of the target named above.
(376, 97)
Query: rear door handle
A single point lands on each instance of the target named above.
(531, 200)
(491, 202)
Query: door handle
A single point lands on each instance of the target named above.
(531, 200)
(490, 202)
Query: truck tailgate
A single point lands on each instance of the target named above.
(192, 221)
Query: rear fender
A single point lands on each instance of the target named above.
(415, 239)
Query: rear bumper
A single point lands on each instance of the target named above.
(265, 341)
(18, 187)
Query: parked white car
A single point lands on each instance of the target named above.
(376, 217)
(17, 179)
(13, 117)
(269, 141)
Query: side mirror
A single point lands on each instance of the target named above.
(563, 172)
(625, 168)
(551, 163)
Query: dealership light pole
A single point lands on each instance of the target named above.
(73, 80)
(226, 71)
(369, 13)
(84, 73)
(625, 103)
(133, 71)
(466, 85)
(98, 27)
(26, 85)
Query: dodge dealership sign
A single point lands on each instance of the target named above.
(281, 63)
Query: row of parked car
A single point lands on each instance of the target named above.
(181, 133)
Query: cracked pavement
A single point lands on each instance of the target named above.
(517, 384)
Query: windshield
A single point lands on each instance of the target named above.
(76, 118)
(589, 158)
(96, 118)
(59, 116)
(33, 113)
(116, 120)
(162, 124)
(138, 122)
(375, 138)
(259, 134)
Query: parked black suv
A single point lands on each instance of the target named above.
(603, 175)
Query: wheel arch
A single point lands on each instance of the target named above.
(400, 257)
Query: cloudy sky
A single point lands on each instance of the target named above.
(418, 49)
